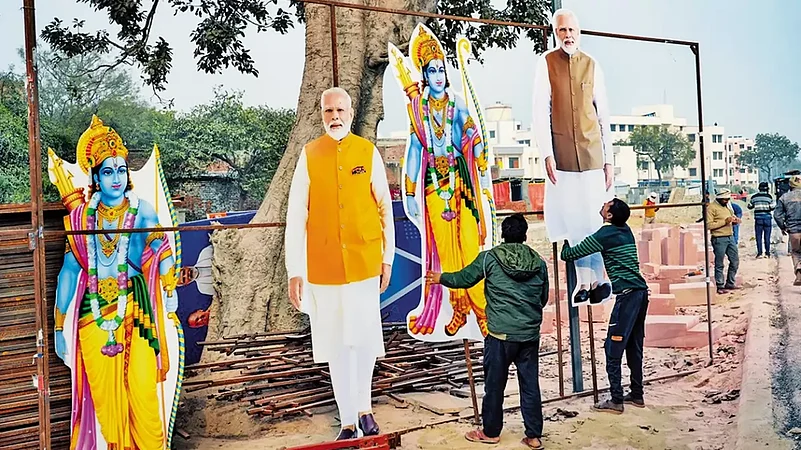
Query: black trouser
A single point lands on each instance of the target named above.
(498, 355)
(626, 333)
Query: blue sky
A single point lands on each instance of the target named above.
(749, 61)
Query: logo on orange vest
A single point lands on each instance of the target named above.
(357, 170)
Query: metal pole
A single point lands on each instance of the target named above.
(575, 330)
(36, 240)
(472, 381)
(704, 206)
(558, 319)
(334, 56)
(592, 356)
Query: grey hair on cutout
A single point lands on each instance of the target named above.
(564, 12)
(337, 91)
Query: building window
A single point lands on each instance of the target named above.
(717, 173)
(643, 165)
(536, 160)
(749, 148)
(514, 162)
(691, 137)
(614, 127)
(742, 146)
(621, 128)
(693, 172)
(750, 170)
(492, 134)
(631, 128)
(717, 138)
(499, 162)
(742, 169)
(526, 142)
(518, 127)
(717, 156)
(731, 172)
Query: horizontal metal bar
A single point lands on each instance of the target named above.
(185, 228)
(544, 28)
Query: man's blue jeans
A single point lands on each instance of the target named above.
(763, 226)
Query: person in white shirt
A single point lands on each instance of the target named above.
(340, 244)
(571, 128)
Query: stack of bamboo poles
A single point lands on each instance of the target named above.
(277, 375)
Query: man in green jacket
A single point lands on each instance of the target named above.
(516, 287)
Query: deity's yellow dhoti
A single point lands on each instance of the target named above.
(458, 244)
(123, 387)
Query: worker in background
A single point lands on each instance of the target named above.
(626, 333)
(721, 219)
(738, 212)
(650, 213)
(516, 287)
(763, 205)
(788, 218)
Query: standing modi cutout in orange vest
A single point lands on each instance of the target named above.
(340, 243)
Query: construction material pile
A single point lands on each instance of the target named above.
(276, 376)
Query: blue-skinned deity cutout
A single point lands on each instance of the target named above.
(447, 188)
(115, 321)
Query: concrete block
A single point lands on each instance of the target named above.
(650, 268)
(692, 294)
(695, 337)
(662, 304)
(664, 283)
(688, 249)
(654, 288)
(670, 251)
(600, 313)
(662, 327)
(649, 252)
(675, 271)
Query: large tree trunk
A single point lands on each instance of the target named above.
(249, 271)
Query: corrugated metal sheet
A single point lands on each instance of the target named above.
(19, 398)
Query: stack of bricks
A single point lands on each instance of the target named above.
(672, 260)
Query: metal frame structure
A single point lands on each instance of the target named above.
(36, 234)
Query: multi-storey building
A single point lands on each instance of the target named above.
(740, 174)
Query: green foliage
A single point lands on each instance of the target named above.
(770, 154)
(483, 36)
(245, 144)
(218, 37)
(665, 147)
(249, 141)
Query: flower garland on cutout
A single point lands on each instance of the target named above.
(112, 348)
(444, 194)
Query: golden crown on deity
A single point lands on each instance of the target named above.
(425, 48)
(97, 143)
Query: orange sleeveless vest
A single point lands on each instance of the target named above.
(343, 230)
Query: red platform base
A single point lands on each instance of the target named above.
(380, 442)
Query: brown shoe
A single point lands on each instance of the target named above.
(533, 443)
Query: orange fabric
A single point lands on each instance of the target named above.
(650, 212)
(344, 232)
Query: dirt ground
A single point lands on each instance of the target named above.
(698, 411)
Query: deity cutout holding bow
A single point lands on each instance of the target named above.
(447, 186)
(115, 321)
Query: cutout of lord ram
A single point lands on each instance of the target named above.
(447, 188)
(115, 321)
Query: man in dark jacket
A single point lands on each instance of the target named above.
(762, 203)
(516, 287)
(788, 218)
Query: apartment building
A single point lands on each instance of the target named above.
(738, 173)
